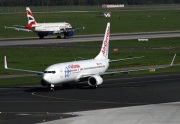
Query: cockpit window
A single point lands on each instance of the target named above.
(50, 72)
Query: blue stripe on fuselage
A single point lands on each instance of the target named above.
(50, 32)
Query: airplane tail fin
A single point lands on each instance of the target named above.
(103, 54)
(31, 20)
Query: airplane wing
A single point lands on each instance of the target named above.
(69, 29)
(127, 70)
(151, 68)
(19, 28)
(6, 67)
(73, 29)
(125, 59)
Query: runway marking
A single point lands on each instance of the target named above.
(84, 101)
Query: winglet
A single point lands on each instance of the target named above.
(5, 63)
(173, 60)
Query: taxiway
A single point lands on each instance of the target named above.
(86, 38)
(36, 103)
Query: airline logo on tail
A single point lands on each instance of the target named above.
(106, 40)
(31, 20)
(103, 54)
(105, 46)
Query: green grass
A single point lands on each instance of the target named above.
(20, 80)
(121, 21)
(40, 58)
(1, 119)
(88, 8)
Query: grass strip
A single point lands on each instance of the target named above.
(121, 21)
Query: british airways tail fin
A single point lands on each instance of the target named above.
(103, 54)
(31, 20)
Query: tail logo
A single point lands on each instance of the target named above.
(31, 20)
(29, 13)
(106, 40)
(103, 54)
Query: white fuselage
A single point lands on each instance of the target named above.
(73, 71)
(51, 27)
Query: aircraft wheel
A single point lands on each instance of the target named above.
(41, 37)
(58, 37)
(52, 89)
(93, 87)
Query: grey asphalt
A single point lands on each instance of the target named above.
(35, 104)
(87, 38)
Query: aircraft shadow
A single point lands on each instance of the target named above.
(57, 88)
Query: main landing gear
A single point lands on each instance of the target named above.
(59, 37)
(41, 36)
(93, 87)
(64, 86)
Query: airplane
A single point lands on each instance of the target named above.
(90, 70)
(44, 29)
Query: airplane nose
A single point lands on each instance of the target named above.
(45, 78)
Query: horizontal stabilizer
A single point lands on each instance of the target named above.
(19, 28)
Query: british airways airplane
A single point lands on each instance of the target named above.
(90, 70)
(44, 29)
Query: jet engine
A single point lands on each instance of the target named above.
(95, 80)
(69, 33)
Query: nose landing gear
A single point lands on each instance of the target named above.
(52, 87)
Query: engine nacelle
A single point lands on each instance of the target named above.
(69, 33)
(95, 80)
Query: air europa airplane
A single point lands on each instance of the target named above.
(44, 29)
(90, 70)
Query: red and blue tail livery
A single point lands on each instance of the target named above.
(31, 20)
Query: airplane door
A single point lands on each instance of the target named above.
(61, 73)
